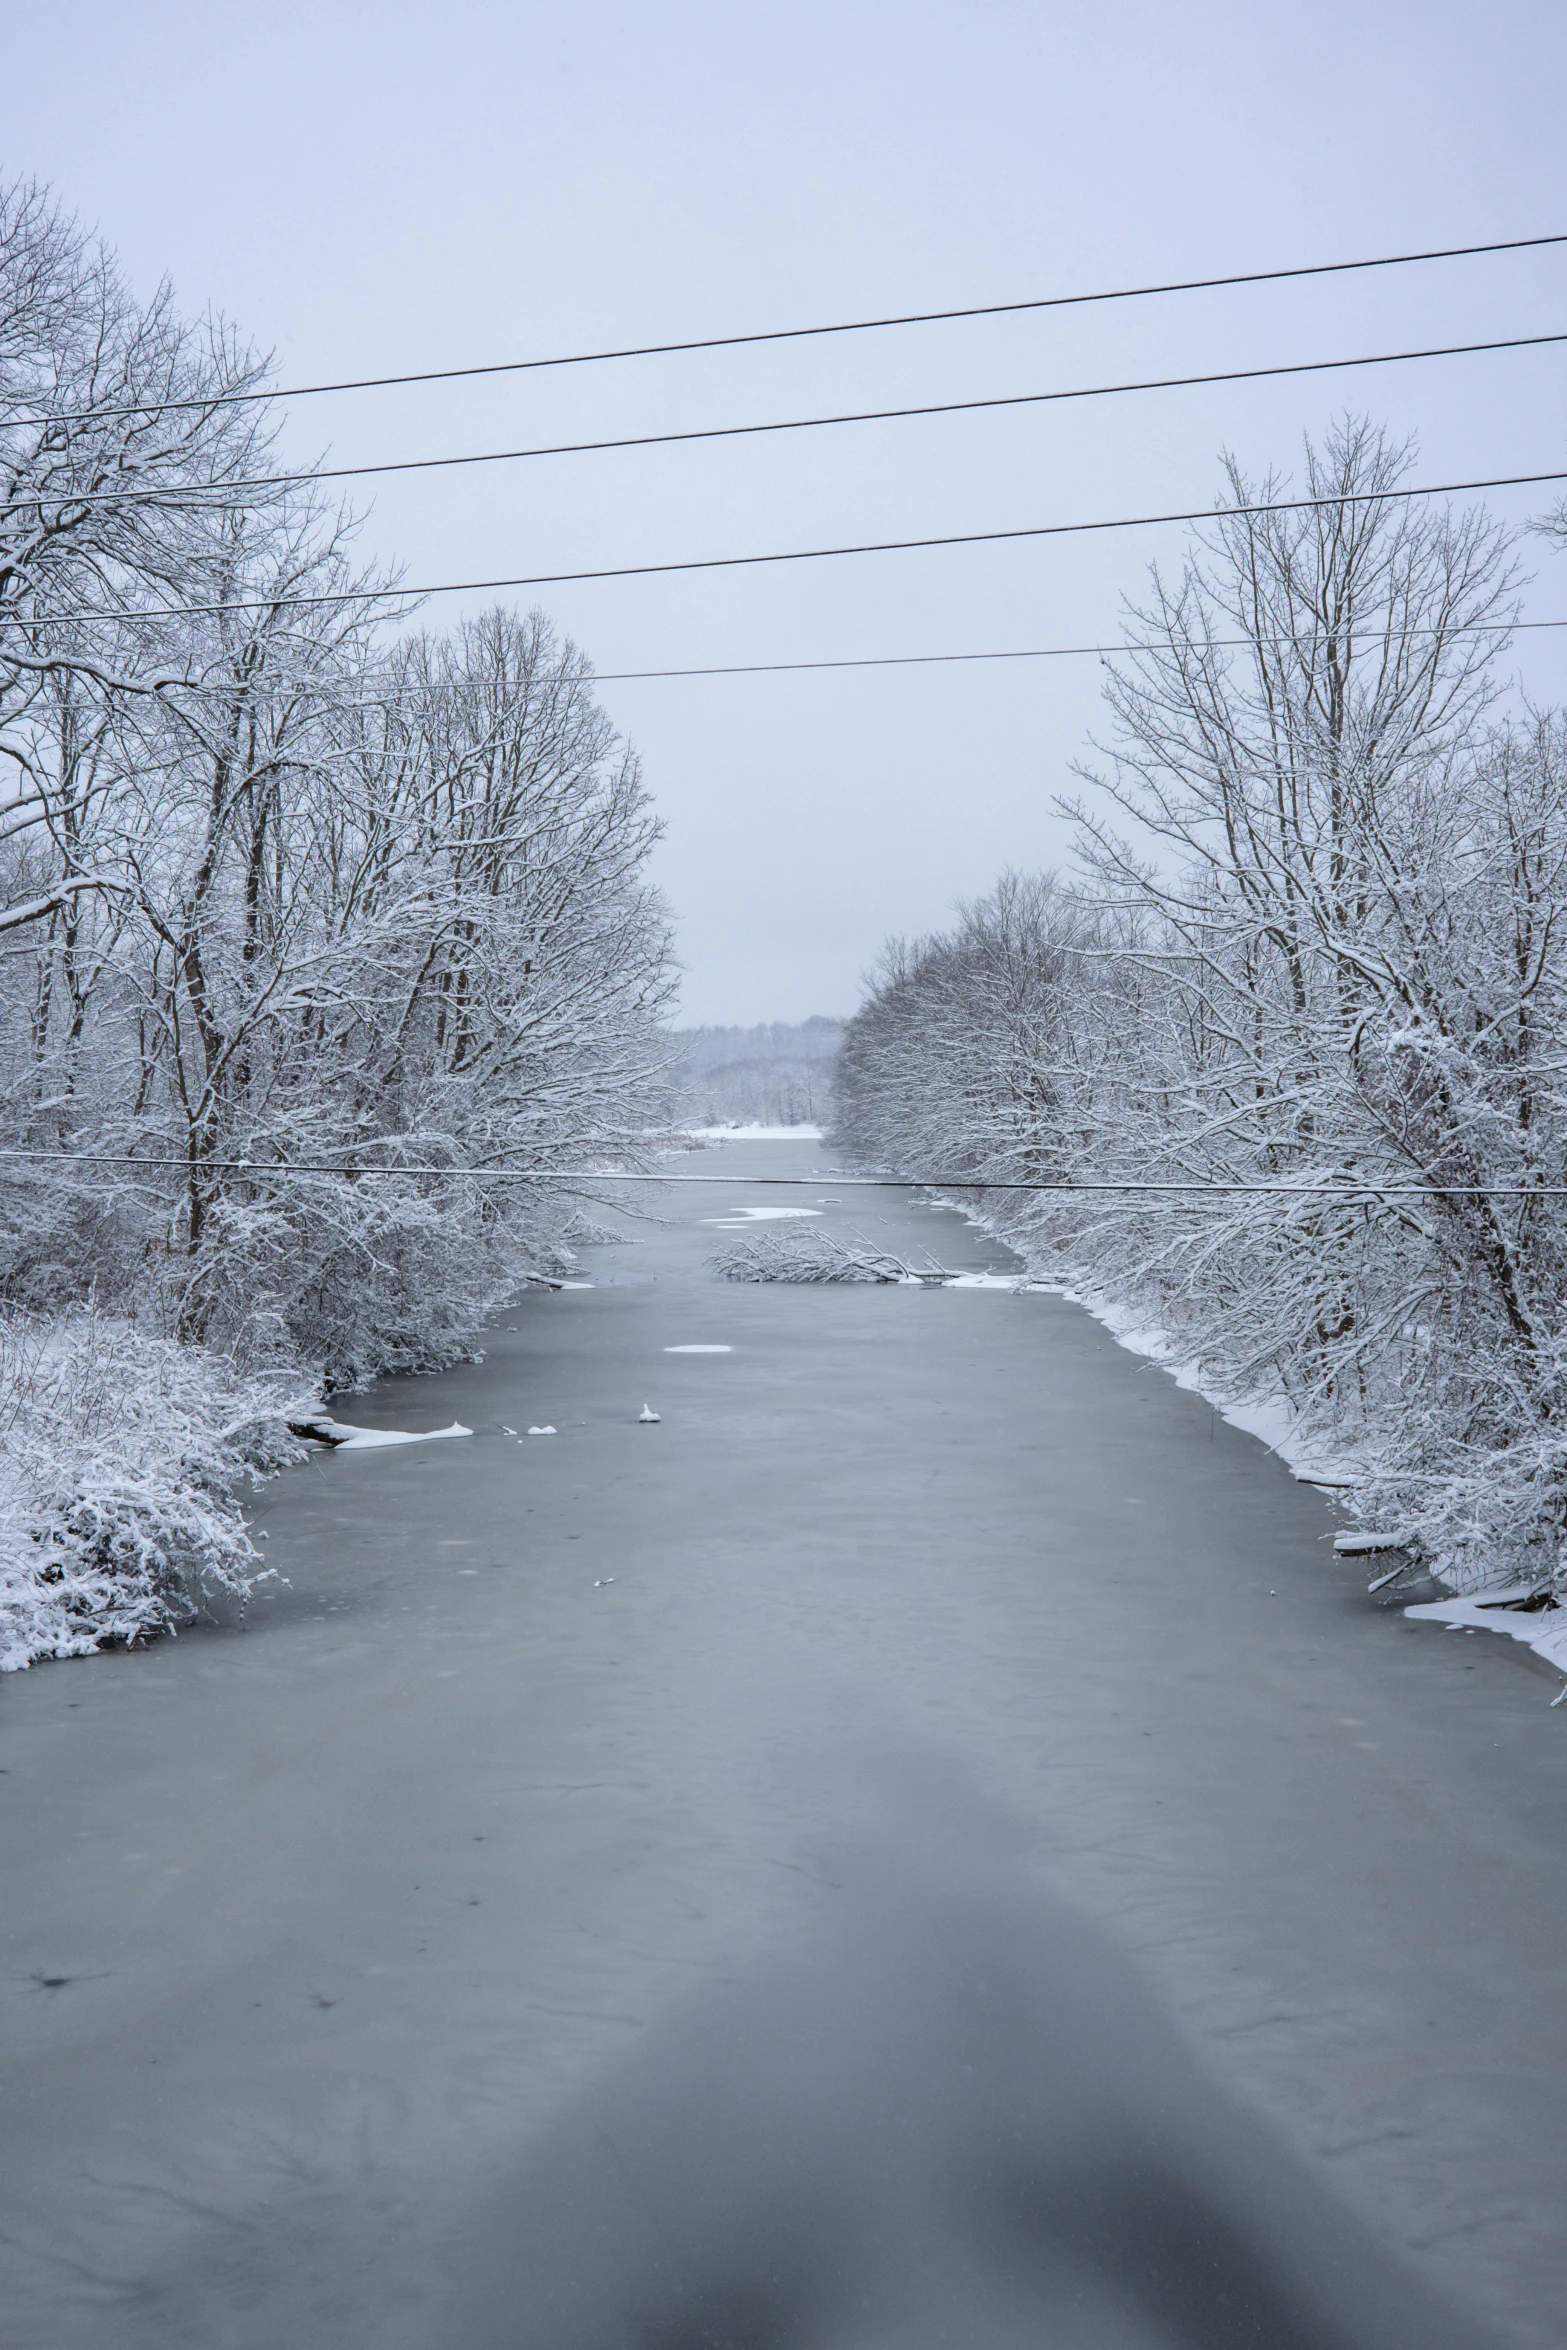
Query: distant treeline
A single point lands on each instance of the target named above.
(775, 1075)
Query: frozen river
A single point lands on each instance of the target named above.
(681, 1868)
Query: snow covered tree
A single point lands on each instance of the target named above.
(124, 430)
(1316, 1033)
(318, 935)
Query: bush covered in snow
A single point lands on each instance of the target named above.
(122, 1461)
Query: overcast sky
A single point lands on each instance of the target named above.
(367, 189)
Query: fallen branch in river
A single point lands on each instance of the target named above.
(811, 1255)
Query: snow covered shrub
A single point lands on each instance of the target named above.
(122, 1459)
(390, 1274)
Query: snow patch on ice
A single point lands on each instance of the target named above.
(737, 1218)
(754, 1133)
(343, 1436)
(699, 1350)
(1542, 1629)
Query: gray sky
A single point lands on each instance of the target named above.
(399, 186)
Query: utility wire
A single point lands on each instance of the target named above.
(1024, 653)
(300, 689)
(851, 326)
(201, 492)
(966, 538)
(1337, 1190)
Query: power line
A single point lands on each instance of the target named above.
(939, 660)
(732, 432)
(966, 538)
(1023, 653)
(1338, 1189)
(851, 326)
(388, 700)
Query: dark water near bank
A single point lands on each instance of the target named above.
(924, 1845)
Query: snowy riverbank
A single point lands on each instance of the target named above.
(1522, 1611)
